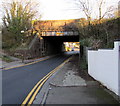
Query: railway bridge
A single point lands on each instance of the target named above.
(49, 36)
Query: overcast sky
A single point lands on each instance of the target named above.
(64, 9)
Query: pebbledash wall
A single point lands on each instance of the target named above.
(104, 66)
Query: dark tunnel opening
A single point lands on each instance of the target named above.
(56, 44)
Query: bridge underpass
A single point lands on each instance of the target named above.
(49, 36)
(55, 44)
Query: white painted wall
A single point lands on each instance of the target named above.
(104, 66)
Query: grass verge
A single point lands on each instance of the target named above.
(6, 59)
(83, 64)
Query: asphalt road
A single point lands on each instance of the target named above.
(18, 82)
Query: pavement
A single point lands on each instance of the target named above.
(18, 62)
(70, 85)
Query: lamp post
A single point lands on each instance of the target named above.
(0, 39)
(22, 32)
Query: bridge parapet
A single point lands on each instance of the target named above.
(57, 27)
(60, 33)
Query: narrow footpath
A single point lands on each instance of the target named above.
(70, 85)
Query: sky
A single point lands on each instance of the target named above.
(66, 9)
(63, 9)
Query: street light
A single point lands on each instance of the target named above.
(22, 32)
(0, 39)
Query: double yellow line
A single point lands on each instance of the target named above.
(31, 96)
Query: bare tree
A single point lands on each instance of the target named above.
(85, 6)
(17, 17)
(23, 12)
(100, 3)
(108, 12)
(17, 20)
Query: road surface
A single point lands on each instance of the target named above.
(18, 82)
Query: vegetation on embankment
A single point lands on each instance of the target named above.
(6, 58)
(100, 35)
(83, 64)
(17, 20)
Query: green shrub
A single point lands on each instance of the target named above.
(6, 59)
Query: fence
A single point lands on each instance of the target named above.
(104, 66)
